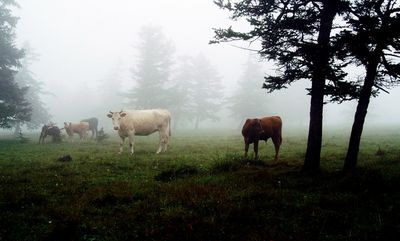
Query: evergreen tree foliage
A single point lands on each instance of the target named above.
(109, 91)
(25, 77)
(152, 71)
(249, 100)
(207, 92)
(13, 106)
(197, 91)
(183, 86)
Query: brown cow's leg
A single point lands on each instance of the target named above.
(277, 143)
(256, 149)
(246, 148)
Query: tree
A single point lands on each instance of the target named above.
(183, 86)
(249, 99)
(152, 72)
(25, 77)
(297, 35)
(207, 91)
(373, 41)
(109, 91)
(13, 106)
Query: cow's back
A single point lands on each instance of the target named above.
(81, 126)
(145, 122)
(93, 122)
(272, 127)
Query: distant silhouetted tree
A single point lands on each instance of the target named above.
(109, 91)
(25, 77)
(297, 35)
(13, 106)
(207, 93)
(183, 86)
(373, 41)
(151, 74)
(249, 99)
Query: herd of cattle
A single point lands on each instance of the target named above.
(132, 123)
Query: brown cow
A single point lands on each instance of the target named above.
(80, 128)
(261, 129)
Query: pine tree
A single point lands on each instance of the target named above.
(183, 86)
(249, 99)
(152, 71)
(25, 77)
(13, 106)
(207, 91)
(373, 41)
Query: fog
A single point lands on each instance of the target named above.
(82, 42)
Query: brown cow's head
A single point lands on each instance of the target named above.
(253, 128)
(257, 127)
(116, 118)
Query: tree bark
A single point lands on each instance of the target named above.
(321, 62)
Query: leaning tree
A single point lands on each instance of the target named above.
(297, 34)
(372, 40)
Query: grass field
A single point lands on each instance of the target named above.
(201, 189)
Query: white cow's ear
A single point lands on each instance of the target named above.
(123, 114)
(109, 115)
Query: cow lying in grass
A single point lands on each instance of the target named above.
(80, 128)
(142, 123)
(50, 130)
(262, 129)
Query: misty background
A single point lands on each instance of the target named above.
(84, 45)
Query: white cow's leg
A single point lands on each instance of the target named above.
(163, 142)
(131, 137)
(160, 143)
(121, 145)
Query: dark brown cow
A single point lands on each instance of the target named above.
(93, 123)
(262, 129)
(50, 130)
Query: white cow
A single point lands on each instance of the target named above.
(142, 123)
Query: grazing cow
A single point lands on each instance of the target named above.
(93, 123)
(142, 123)
(80, 128)
(261, 129)
(50, 130)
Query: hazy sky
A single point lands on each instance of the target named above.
(81, 41)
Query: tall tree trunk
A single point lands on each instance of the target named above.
(359, 118)
(321, 62)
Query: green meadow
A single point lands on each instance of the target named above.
(201, 189)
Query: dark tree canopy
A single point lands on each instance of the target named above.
(289, 32)
(13, 106)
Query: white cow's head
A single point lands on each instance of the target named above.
(116, 118)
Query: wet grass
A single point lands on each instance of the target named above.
(201, 189)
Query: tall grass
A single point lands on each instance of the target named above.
(201, 189)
